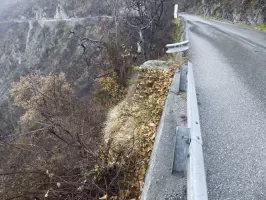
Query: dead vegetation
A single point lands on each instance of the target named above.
(131, 125)
(55, 144)
(58, 150)
(60, 147)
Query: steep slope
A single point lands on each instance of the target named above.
(35, 35)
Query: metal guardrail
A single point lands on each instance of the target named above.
(195, 170)
(177, 47)
(196, 178)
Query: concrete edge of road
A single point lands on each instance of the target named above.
(160, 182)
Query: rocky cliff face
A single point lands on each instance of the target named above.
(29, 9)
(35, 35)
(249, 11)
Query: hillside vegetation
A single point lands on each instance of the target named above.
(77, 119)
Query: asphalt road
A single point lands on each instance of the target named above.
(230, 73)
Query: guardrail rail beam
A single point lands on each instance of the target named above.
(196, 178)
(177, 47)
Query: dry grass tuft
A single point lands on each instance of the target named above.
(131, 126)
(118, 123)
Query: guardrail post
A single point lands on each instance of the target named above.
(183, 78)
(181, 150)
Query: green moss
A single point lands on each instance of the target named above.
(176, 21)
(178, 29)
(261, 27)
(198, 12)
(67, 28)
(217, 18)
(217, 12)
(63, 46)
(135, 68)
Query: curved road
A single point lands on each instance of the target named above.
(230, 73)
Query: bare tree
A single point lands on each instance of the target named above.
(145, 17)
(111, 43)
(56, 142)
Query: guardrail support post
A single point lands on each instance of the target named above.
(183, 78)
(181, 150)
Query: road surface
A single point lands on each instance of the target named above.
(230, 73)
(73, 19)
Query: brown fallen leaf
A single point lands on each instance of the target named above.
(104, 197)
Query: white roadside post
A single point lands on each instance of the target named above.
(176, 11)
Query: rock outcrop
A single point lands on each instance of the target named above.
(249, 11)
(35, 35)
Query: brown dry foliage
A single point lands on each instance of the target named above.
(54, 151)
(108, 91)
(131, 126)
(58, 150)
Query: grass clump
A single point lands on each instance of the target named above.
(261, 27)
(178, 30)
(109, 92)
(67, 28)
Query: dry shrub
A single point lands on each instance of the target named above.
(58, 151)
(54, 151)
(130, 130)
(37, 94)
(109, 92)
